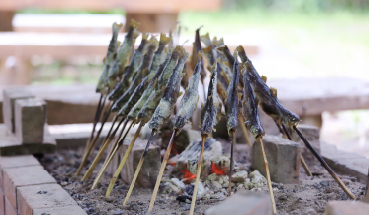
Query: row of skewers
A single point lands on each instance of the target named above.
(142, 86)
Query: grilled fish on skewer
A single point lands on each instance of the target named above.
(210, 115)
(151, 86)
(150, 105)
(123, 55)
(158, 56)
(187, 108)
(163, 110)
(137, 75)
(110, 57)
(231, 106)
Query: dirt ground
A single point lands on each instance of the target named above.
(308, 197)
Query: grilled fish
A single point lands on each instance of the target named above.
(110, 57)
(169, 99)
(189, 101)
(210, 113)
(123, 55)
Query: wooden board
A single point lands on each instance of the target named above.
(137, 6)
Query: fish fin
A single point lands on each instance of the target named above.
(145, 72)
(202, 104)
(178, 49)
(208, 49)
(226, 63)
(221, 48)
(134, 23)
(179, 94)
(104, 60)
(183, 74)
(264, 78)
(164, 40)
(199, 55)
(183, 53)
(118, 43)
(214, 66)
(273, 91)
(205, 37)
(198, 98)
(219, 60)
(120, 25)
(239, 96)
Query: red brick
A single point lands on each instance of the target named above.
(55, 196)
(71, 210)
(9, 210)
(9, 97)
(346, 208)
(244, 203)
(29, 120)
(23, 176)
(2, 202)
(15, 161)
(284, 159)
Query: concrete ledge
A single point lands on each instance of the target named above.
(345, 162)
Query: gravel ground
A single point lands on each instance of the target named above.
(308, 197)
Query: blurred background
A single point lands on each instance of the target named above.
(323, 46)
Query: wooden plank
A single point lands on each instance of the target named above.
(137, 6)
(66, 46)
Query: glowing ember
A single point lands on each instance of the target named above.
(217, 170)
(188, 176)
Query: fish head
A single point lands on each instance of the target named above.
(291, 119)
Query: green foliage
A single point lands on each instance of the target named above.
(298, 6)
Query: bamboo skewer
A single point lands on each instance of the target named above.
(139, 167)
(103, 148)
(110, 156)
(306, 168)
(204, 137)
(233, 143)
(266, 167)
(324, 164)
(92, 144)
(122, 163)
(244, 131)
(161, 171)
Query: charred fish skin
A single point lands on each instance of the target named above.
(231, 101)
(150, 105)
(210, 113)
(189, 101)
(268, 101)
(224, 49)
(136, 95)
(168, 101)
(244, 58)
(158, 55)
(146, 61)
(195, 51)
(250, 111)
(112, 49)
(151, 86)
(123, 55)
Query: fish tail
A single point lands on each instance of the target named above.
(183, 53)
(200, 54)
(240, 49)
(178, 49)
(134, 23)
(222, 48)
(136, 34)
(153, 41)
(164, 40)
(145, 36)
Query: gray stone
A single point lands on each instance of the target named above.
(284, 159)
(30, 117)
(239, 176)
(312, 134)
(243, 203)
(189, 157)
(9, 97)
(150, 167)
(346, 208)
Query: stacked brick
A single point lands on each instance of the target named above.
(27, 189)
(25, 128)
